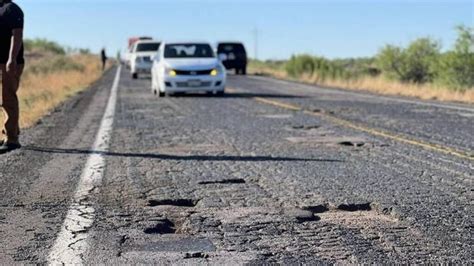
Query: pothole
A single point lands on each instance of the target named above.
(162, 227)
(195, 255)
(349, 207)
(316, 208)
(312, 218)
(355, 207)
(305, 127)
(224, 181)
(329, 140)
(352, 143)
(321, 111)
(173, 202)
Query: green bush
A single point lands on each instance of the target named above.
(416, 63)
(423, 62)
(456, 68)
(43, 45)
(299, 65)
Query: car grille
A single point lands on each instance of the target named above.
(186, 84)
(193, 73)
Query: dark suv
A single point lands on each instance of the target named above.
(235, 56)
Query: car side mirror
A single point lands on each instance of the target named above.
(222, 57)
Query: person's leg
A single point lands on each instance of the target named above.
(2, 73)
(10, 84)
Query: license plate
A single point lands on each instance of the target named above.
(194, 83)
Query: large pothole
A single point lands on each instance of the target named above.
(164, 226)
(173, 202)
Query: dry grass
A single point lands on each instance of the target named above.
(40, 92)
(378, 85)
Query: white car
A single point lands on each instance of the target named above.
(141, 57)
(187, 67)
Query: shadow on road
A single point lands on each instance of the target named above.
(178, 157)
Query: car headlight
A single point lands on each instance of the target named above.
(171, 72)
(217, 70)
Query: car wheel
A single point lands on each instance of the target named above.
(237, 71)
(220, 93)
(243, 71)
(135, 75)
(161, 94)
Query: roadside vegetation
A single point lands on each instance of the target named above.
(420, 69)
(52, 74)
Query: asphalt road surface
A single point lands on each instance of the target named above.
(273, 172)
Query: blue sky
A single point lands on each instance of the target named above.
(337, 28)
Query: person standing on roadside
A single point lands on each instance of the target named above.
(11, 67)
(103, 56)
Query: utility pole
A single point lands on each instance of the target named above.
(255, 32)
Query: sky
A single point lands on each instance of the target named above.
(330, 28)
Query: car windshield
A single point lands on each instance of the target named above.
(188, 51)
(231, 48)
(148, 47)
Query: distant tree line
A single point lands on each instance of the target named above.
(44, 45)
(421, 61)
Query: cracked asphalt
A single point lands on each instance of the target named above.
(237, 180)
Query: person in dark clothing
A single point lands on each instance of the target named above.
(11, 68)
(103, 57)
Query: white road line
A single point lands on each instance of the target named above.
(72, 242)
(361, 94)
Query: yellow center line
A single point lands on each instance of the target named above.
(372, 131)
(279, 104)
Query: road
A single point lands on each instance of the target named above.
(274, 172)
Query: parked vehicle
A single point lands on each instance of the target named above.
(141, 57)
(131, 42)
(187, 67)
(233, 56)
